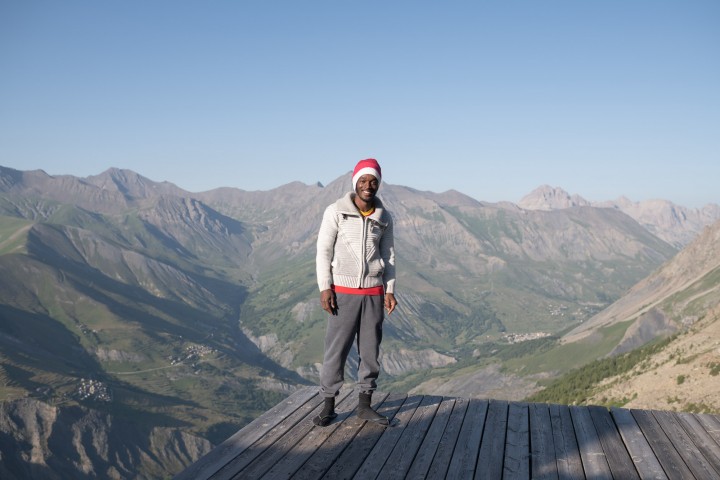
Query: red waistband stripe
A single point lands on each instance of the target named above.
(359, 291)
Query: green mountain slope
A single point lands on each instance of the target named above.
(163, 340)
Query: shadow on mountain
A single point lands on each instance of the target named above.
(40, 341)
(215, 325)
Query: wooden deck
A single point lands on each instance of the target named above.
(455, 438)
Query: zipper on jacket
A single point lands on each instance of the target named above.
(362, 251)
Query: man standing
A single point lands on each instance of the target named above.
(356, 275)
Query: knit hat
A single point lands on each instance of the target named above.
(369, 166)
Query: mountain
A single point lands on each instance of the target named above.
(546, 197)
(112, 191)
(676, 294)
(657, 346)
(675, 224)
(138, 300)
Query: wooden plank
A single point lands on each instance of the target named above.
(567, 452)
(665, 452)
(593, 457)
(424, 457)
(324, 457)
(492, 448)
(237, 443)
(446, 446)
(702, 439)
(464, 459)
(711, 424)
(267, 441)
(350, 460)
(375, 461)
(696, 462)
(647, 465)
(516, 464)
(285, 446)
(402, 456)
(617, 456)
(542, 449)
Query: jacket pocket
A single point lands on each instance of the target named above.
(345, 265)
(376, 267)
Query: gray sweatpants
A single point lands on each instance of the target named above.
(358, 316)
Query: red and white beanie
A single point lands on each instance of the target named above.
(369, 166)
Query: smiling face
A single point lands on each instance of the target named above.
(367, 187)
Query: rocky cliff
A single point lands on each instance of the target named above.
(38, 440)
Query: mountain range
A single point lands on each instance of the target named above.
(675, 224)
(194, 312)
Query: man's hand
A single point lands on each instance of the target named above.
(390, 303)
(328, 302)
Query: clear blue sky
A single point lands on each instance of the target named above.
(492, 98)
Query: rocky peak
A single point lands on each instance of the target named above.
(9, 177)
(131, 184)
(675, 224)
(546, 197)
(12, 180)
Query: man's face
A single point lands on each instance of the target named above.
(367, 187)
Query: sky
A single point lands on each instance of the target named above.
(602, 98)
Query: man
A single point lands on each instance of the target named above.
(356, 275)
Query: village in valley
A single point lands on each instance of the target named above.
(89, 389)
(523, 337)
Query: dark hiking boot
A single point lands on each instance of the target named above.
(327, 414)
(365, 412)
